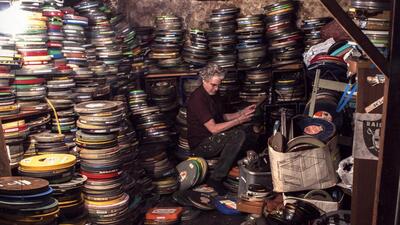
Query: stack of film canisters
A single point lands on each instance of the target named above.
(137, 99)
(46, 142)
(126, 36)
(144, 182)
(59, 170)
(151, 124)
(164, 95)
(37, 63)
(70, 200)
(103, 78)
(195, 50)
(85, 84)
(373, 18)
(312, 30)
(145, 38)
(109, 212)
(182, 151)
(66, 119)
(128, 143)
(29, 90)
(26, 200)
(15, 134)
(9, 60)
(9, 57)
(60, 93)
(8, 104)
(231, 182)
(60, 84)
(289, 87)
(154, 159)
(99, 124)
(32, 43)
(102, 37)
(229, 89)
(127, 39)
(128, 148)
(256, 85)
(252, 47)
(54, 29)
(54, 167)
(61, 97)
(100, 34)
(285, 40)
(38, 124)
(222, 38)
(74, 31)
(168, 40)
(154, 133)
(77, 56)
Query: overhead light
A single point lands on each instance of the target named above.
(13, 20)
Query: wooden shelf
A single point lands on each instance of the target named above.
(355, 32)
(297, 66)
(171, 74)
(23, 115)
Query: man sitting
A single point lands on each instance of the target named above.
(211, 132)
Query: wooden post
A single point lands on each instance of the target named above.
(5, 169)
(386, 207)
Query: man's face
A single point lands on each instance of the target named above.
(212, 85)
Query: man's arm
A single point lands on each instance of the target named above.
(231, 116)
(216, 128)
(248, 110)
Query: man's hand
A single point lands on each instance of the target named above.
(245, 118)
(248, 110)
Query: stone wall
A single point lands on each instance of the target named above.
(195, 12)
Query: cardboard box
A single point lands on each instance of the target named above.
(250, 207)
(303, 170)
(324, 206)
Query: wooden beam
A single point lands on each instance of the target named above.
(364, 176)
(386, 207)
(350, 27)
(5, 169)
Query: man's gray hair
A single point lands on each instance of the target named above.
(212, 70)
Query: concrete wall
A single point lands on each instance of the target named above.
(195, 12)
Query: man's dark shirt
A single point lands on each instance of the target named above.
(201, 108)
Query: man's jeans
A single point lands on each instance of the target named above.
(226, 144)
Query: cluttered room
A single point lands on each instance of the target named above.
(194, 112)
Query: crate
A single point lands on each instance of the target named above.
(248, 177)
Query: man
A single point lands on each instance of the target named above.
(212, 133)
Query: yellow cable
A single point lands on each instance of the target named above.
(55, 115)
